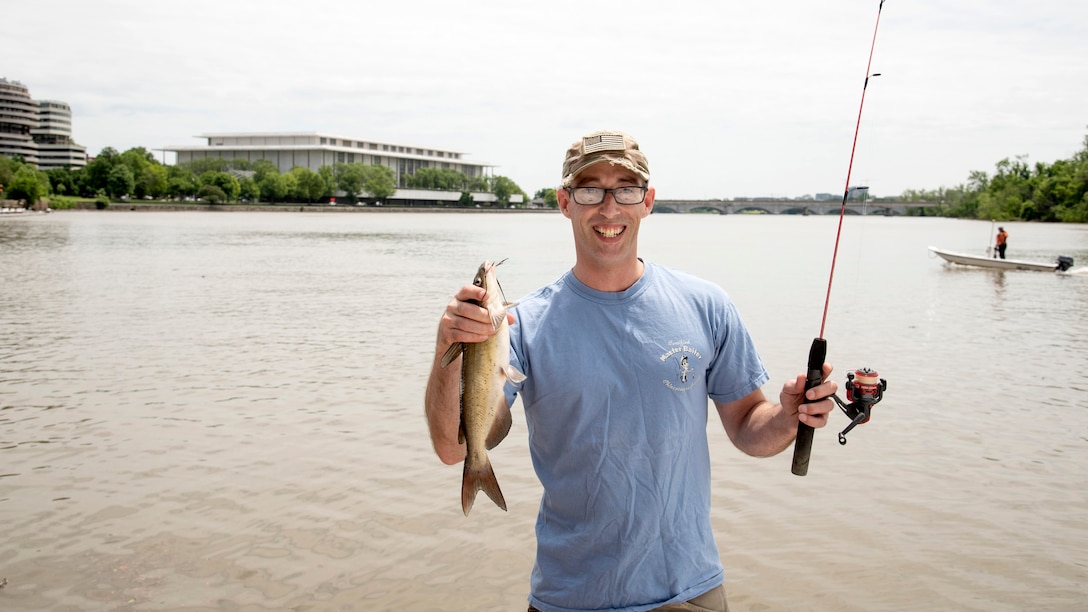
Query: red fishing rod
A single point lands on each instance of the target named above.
(865, 391)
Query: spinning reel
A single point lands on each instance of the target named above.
(863, 390)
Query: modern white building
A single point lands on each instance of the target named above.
(54, 137)
(40, 132)
(18, 115)
(313, 150)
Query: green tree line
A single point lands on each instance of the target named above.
(1017, 190)
(137, 174)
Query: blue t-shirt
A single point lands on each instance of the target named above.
(616, 406)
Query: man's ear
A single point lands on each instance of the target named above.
(648, 203)
(563, 197)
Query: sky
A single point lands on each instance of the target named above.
(739, 99)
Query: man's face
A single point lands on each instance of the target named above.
(606, 234)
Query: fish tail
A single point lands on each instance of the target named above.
(480, 477)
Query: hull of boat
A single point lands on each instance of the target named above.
(996, 264)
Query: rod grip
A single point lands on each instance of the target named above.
(802, 446)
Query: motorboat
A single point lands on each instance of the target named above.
(1061, 264)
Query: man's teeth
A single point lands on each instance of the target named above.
(609, 232)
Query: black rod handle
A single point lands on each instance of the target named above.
(802, 446)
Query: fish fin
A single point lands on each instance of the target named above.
(481, 478)
(513, 374)
(452, 353)
(461, 432)
(498, 316)
(500, 427)
(509, 305)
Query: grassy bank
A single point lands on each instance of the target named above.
(63, 203)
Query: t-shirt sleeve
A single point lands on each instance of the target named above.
(511, 389)
(736, 369)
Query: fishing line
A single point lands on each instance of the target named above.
(802, 448)
(849, 169)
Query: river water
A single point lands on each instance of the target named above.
(223, 411)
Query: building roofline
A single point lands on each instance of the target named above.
(320, 147)
(318, 134)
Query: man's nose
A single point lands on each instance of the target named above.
(609, 206)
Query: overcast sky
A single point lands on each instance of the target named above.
(727, 99)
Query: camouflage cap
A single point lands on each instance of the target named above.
(615, 148)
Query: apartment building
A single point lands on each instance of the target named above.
(38, 131)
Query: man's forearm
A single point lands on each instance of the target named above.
(442, 408)
(767, 431)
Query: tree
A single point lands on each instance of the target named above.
(120, 181)
(248, 189)
(328, 180)
(441, 179)
(8, 168)
(139, 160)
(503, 188)
(548, 195)
(152, 182)
(309, 185)
(379, 182)
(96, 174)
(272, 187)
(226, 183)
(241, 165)
(27, 184)
(290, 182)
(181, 182)
(263, 168)
(349, 178)
(212, 194)
(1018, 190)
(208, 164)
(61, 181)
(479, 183)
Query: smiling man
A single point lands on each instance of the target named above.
(606, 166)
(620, 357)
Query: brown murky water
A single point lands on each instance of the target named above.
(209, 411)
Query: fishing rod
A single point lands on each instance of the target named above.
(864, 387)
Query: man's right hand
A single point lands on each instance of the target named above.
(464, 320)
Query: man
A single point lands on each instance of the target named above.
(1002, 240)
(621, 355)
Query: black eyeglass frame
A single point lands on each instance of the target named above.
(604, 194)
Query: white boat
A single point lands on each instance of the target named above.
(1061, 264)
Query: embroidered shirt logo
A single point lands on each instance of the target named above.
(682, 357)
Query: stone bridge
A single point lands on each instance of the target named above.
(787, 207)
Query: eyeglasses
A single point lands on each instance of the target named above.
(590, 196)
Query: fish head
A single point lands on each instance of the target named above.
(486, 278)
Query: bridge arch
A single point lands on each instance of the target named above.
(785, 207)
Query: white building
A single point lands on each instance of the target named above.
(313, 150)
(40, 132)
(54, 137)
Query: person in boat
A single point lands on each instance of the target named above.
(620, 356)
(1002, 242)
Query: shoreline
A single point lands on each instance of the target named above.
(306, 208)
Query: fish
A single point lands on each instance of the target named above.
(485, 368)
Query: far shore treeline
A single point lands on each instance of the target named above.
(1017, 190)
(136, 174)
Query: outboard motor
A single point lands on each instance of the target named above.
(1064, 263)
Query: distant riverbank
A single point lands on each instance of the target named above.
(313, 208)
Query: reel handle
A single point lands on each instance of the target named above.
(802, 446)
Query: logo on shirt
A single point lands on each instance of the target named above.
(682, 359)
